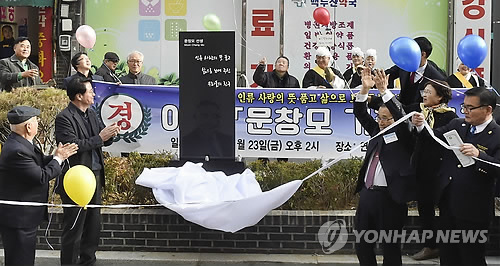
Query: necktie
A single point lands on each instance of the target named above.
(472, 130)
(412, 77)
(371, 170)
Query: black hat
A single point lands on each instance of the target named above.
(111, 56)
(19, 114)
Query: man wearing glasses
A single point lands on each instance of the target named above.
(135, 76)
(108, 67)
(465, 193)
(82, 64)
(386, 179)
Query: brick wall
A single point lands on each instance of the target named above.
(279, 232)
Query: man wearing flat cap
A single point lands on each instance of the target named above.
(108, 67)
(25, 173)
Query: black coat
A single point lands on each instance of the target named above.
(427, 163)
(78, 74)
(352, 77)
(70, 128)
(410, 93)
(24, 176)
(271, 79)
(311, 78)
(471, 188)
(7, 48)
(454, 82)
(394, 157)
(107, 74)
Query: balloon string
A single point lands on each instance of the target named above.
(76, 219)
(52, 200)
(486, 82)
(117, 206)
(442, 84)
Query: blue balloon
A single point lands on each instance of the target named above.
(405, 53)
(472, 50)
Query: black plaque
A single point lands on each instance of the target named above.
(206, 95)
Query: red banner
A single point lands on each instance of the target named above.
(45, 43)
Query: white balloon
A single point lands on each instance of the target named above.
(85, 35)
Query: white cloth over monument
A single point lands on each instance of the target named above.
(212, 199)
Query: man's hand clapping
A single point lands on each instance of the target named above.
(66, 150)
(109, 132)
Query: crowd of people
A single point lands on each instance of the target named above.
(16, 69)
(324, 75)
(405, 164)
(401, 165)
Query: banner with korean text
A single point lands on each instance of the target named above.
(364, 24)
(274, 123)
(262, 36)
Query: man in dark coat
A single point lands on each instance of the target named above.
(412, 84)
(108, 67)
(465, 193)
(18, 70)
(386, 179)
(79, 124)
(278, 78)
(25, 173)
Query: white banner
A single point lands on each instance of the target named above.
(473, 17)
(362, 23)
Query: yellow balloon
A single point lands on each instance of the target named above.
(79, 183)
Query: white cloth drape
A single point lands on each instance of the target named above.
(212, 199)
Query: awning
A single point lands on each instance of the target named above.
(34, 3)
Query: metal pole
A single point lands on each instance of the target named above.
(243, 37)
(495, 45)
(282, 26)
(451, 34)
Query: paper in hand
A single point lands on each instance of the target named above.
(454, 140)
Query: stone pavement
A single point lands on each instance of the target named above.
(122, 258)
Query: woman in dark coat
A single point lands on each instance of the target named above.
(427, 159)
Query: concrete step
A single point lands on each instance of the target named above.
(122, 258)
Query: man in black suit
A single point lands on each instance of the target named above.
(466, 194)
(25, 173)
(386, 179)
(412, 84)
(79, 124)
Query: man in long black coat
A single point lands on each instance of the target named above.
(25, 173)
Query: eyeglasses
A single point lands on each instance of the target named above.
(135, 61)
(383, 119)
(469, 108)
